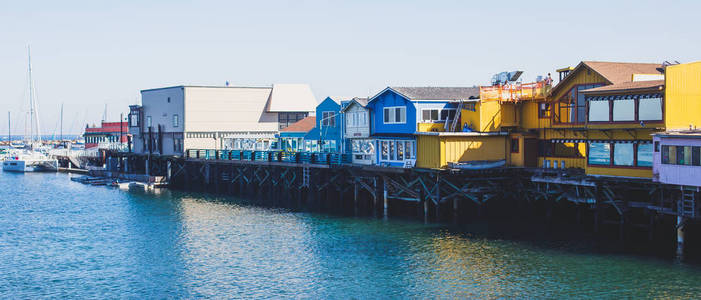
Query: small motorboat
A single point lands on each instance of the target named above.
(477, 164)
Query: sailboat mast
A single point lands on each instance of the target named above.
(31, 96)
(60, 138)
(9, 129)
(32, 100)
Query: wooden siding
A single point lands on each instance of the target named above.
(620, 172)
(429, 151)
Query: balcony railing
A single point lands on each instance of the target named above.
(515, 92)
(271, 156)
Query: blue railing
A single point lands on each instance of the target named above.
(271, 156)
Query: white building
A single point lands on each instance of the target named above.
(171, 120)
(357, 131)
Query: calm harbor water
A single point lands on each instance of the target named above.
(63, 239)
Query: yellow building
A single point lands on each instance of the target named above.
(683, 97)
(567, 134)
(439, 149)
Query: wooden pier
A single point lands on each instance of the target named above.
(328, 183)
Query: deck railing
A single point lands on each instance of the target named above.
(271, 156)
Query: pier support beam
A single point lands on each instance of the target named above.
(680, 238)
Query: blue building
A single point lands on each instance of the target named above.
(327, 135)
(397, 113)
(293, 138)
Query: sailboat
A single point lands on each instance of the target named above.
(32, 159)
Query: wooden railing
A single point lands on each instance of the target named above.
(514, 92)
(271, 156)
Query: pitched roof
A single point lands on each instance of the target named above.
(613, 72)
(303, 125)
(360, 101)
(627, 86)
(291, 98)
(620, 72)
(438, 93)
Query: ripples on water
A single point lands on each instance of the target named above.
(63, 239)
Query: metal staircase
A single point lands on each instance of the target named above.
(687, 205)
(456, 120)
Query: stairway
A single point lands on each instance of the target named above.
(687, 205)
(456, 120)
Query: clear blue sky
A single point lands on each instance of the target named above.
(90, 53)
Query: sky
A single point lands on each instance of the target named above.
(95, 56)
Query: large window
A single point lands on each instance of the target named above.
(623, 154)
(624, 110)
(356, 119)
(599, 153)
(572, 106)
(133, 120)
(543, 110)
(627, 108)
(288, 118)
(397, 150)
(437, 115)
(328, 119)
(395, 115)
(598, 111)
(681, 155)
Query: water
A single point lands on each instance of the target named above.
(62, 239)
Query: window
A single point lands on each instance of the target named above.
(288, 118)
(148, 121)
(543, 110)
(650, 109)
(598, 111)
(168, 99)
(599, 154)
(133, 120)
(624, 110)
(328, 119)
(514, 145)
(430, 115)
(395, 115)
(623, 154)
(571, 107)
(437, 115)
(384, 148)
(397, 150)
(645, 155)
(696, 156)
(657, 146)
(175, 121)
(680, 155)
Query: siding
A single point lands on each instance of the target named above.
(459, 149)
(683, 96)
(429, 152)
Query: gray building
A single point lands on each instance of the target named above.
(171, 120)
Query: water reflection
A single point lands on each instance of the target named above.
(62, 239)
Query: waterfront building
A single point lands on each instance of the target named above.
(106, 136)
(327, 134)
(620, 120)
(171, 120)
(294, 138)
(357, 131)
(566, 134)
(398, 113)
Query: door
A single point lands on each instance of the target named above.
(530, 153)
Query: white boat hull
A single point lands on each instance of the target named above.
(29, 166)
